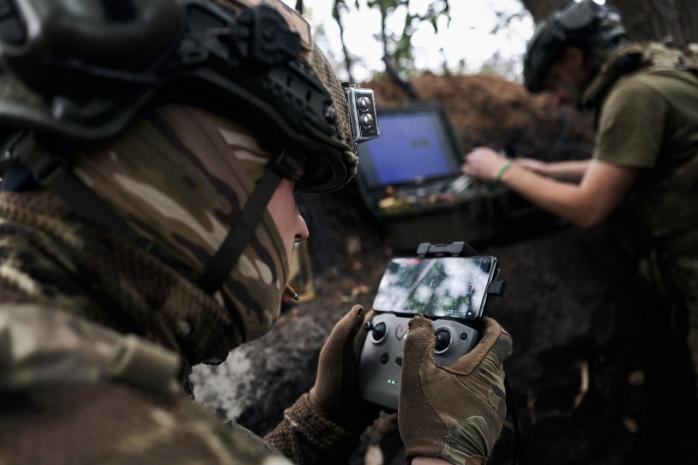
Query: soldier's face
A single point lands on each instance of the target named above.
(566, 77)
(289, 222)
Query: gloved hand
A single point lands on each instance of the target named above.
(454, 413)
(335, 394)
(323, 425)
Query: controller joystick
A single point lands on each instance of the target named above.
(378, 332)
(442, 338)
(380, 365)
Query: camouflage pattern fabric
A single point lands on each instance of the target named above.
(49, 257)
(116, 423)
(42, 348)
(180, 177)
(73, 391)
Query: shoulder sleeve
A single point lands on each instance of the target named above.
(117, 424)
(631, 126)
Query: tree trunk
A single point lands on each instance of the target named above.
(644, 19)
(660, 19)
(337, 15)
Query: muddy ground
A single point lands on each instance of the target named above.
(597, 376)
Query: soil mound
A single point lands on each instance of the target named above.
(489, 110)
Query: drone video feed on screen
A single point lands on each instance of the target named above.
(440, 287)
(412, 146)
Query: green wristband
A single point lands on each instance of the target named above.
(502, 170)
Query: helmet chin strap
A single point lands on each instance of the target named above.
(244, 226)
(54, 174)
(241, 231)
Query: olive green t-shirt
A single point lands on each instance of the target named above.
(650, 120)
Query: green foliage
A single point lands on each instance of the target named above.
(398, 47)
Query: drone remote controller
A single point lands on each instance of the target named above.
(447, 283)
(380, 366)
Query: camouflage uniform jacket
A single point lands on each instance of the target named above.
(88, 374)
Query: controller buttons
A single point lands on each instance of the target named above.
(401, 331)
(463, 336)
(442, 340)
(378, 332)
(398, 361)
(384, 358)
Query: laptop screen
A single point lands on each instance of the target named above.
(413, 146)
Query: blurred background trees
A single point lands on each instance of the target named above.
(669, 20)
(399, 27)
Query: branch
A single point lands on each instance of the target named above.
(507, 21)
(336, 13)
(404, 85)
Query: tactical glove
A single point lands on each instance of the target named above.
(336, 391)
(324, 425)
(456, 412)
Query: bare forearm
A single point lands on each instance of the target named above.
(591, 201)
(569, 170)
(562, 199)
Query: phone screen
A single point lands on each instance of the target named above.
(441, 287)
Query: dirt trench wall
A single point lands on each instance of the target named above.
(488, 110)
(596, 376)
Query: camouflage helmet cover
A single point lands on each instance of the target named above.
(585, 25)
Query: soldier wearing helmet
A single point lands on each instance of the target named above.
(645, 162)
(150, 154)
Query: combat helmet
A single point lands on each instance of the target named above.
(80, 71)
(585, 25)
